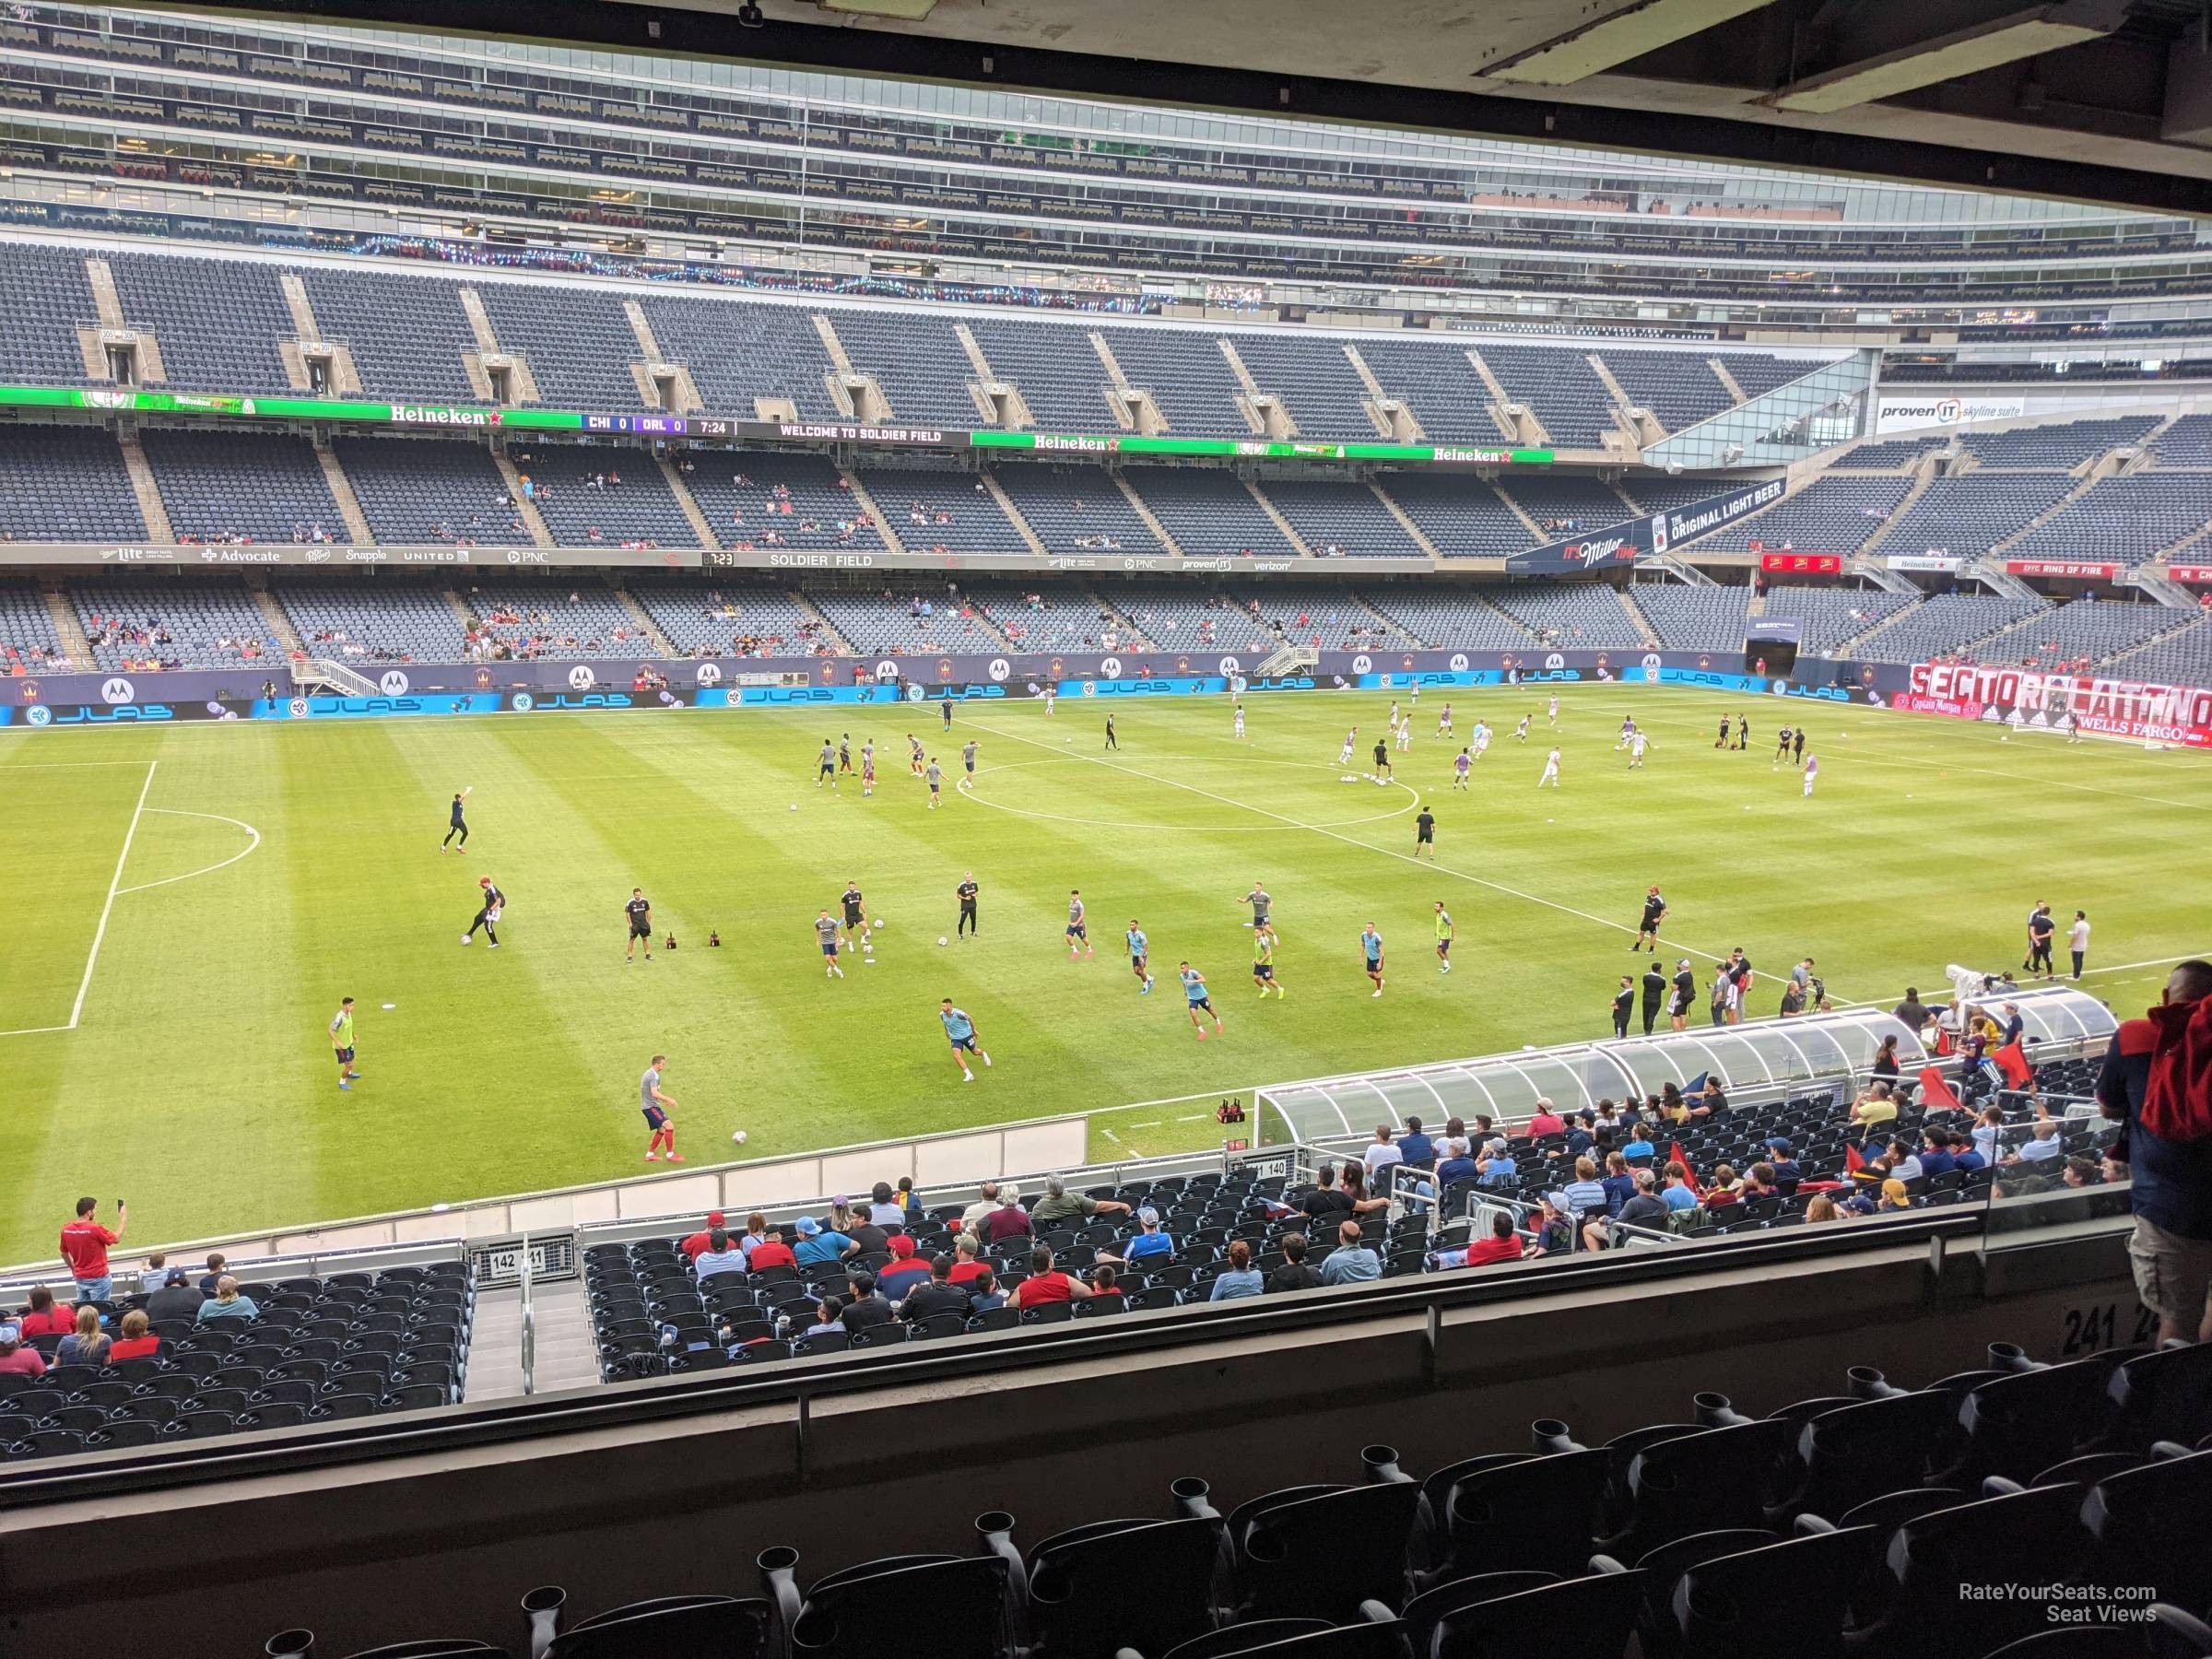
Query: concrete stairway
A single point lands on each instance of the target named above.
(644, 618)
(67, 628)
(341, 492)
(272, 613)
(565, 1357)
(150, 505)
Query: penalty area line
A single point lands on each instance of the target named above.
(99, 934)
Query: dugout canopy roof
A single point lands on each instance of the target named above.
(1757, 1059)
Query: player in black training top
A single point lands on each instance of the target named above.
(640, 912)
(857, 913)
(1654, 908)
(459, 826)
(1424, 833)
(488, 916)
(968, 892)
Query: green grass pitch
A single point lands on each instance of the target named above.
(271, 868)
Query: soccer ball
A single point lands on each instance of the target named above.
(869, 950)
(941, 939)
(739, 1138)
(794, 805)
(880, 925)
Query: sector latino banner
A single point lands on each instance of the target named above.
(2112, 708)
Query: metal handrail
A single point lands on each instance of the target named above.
(529, 1337)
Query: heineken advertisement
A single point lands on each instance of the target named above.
(710, 429)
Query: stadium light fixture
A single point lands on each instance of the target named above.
(1628, 33)
(2026, 33)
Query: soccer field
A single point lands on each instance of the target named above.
(186, 906)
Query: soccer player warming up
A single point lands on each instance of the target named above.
(1424, 833)
(826, 930)
(655, 1106)
(1647, 931)
(458, 825)
(857, 913)
(867, 768)
(1077, 933)
(826, 766)
(960, 1030)
(1140, 954)
(640, 912)
(1460, 763)
(1445, 932)
(1812, 770)
(487, 916)
(1262, 961)
(1370, 950)
(1551, 770)
(913, 754)
(967, 749)
(933, 775)
(967, 893)
(1196, 999)
(341, 1040)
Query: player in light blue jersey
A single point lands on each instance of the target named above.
(1370, 953)
(1140, 950)
(1195, 996)
(1078, 933)
(961, 1032)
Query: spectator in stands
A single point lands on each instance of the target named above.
(884, 1209)
(696, 1245)
(721, 1255)
(1873, 1109)
(1711, 1099)
(1644, 1208)
(16, 1358)
(987, 1201)
(865, 1310)
(177, 1298)
(1351, 1261)
(764, 1249)
(1239, 1279)
(2082, 1171)
(1782, 1165)
(1352, 1179)
(1501, 1245)
(85, 1247)
(818, 1245)
(985, 1294)
(1904, 1162)
(854, 1224)
(2172, 1248)
(217, 1264)
(1545, 1121)
(227, 1303)
(1106, 1290)
(1415, 1147)
(1936, 1154)
(44, 1318)
(1885, 1058)
(1618, 1183)
(1455, 1165)
(1496, 1167)
(87, 1344)
(936, 1295)
(1060, 1204)
(1582, 1133)
(137, 1341)
(1047, 1283)
(1147, 1243)
(1894, 1197)
(1293, 1274)
(906, 1272)
(2040, 1146)
(967, 1261)
(1678, 1194)
(909, 1201)
(1724, 1189)
(1009, 1220)
(1822, 1208)
(1325, 1203)
(824, 1320)
(1555, 1227)
(1585, 1193)
(1383, 1154)
(154, 1273)
(1638, 1144)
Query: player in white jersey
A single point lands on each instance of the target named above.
(1406, 736)
(1482, 738)
(1239, 720)
(1050, 693)
(1394, 713)
(1551, 770)
(1812, 770)
(1520, 731)
(1555, 709)
(1636, 744)
(1417, 693)
(1443, 722)
(1350, 738)
(1460, 763)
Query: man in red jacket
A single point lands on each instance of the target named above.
(2149, 1063)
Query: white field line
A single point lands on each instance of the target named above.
(114, 886)
(208, 870)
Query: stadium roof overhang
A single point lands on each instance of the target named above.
(2097, 100)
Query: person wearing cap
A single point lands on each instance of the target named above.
(1894, 1197)
(721, 1255)
(1642, 1207)
(1681, 994)
(1009, 1220)
(1555, 1227)
(762, 1248)
(1146, 1243)
(905, 1271)
(1545, 1121)
(816, 1244)
(177, 1298)
(866, 1309)
(1455, 1165)
(696, 1245)
(1496, 1168)
(16, 1359)
(1060, 1204)
(966, 1260)
(1787, 1173)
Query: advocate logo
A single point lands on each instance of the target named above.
(242, 556)
(442, 416)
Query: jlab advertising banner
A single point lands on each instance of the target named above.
(1625, 543)
(2108, 708)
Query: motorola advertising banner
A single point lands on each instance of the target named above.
(1625, 543)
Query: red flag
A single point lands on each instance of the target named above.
(1852, 1162)
(2014, 1064)
(1689, 1176)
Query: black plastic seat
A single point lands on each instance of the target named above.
(1719, 1479)
(118, 1432)
(42, 1443)
(1427, 1610)
(960, 1602)
(1294, 1639)
(1663, 1569)
(1510, 1511)
(1588, 1618)
(1081, 1606)
(2019, 1425)
(1860, 1452)
(1320, 1551)
(2165, 1395)
(720, 1625)
(2166, 1633)
(2031, 1536)
(2153, 1525)
(1784, 1597)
